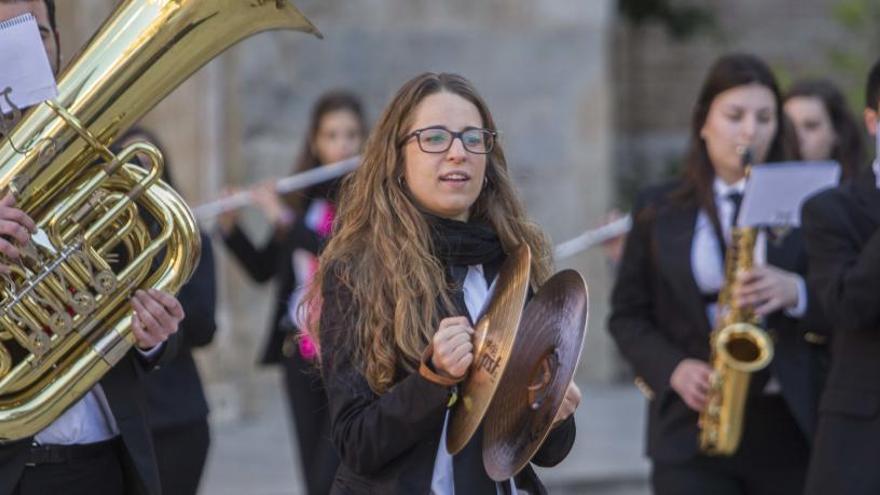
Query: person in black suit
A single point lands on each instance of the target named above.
(301, 222)
(664, 300)
(843, 242)
(176, 402)
(100, 444)
(423, 226)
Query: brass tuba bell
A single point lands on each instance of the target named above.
(65, 317)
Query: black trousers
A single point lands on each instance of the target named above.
(311, 420)
(181, 452)
(100, 473)
(771, 460)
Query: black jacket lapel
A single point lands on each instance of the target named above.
(675, 234)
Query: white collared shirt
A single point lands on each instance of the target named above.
(89, 420)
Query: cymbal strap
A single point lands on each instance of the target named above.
(432, 376)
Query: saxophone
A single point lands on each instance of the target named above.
(739, 347)
(65, 316)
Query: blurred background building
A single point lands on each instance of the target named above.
(592, 97)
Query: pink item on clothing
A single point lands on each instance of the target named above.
(307, 347)
(325, 223)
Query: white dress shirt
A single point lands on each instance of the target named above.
(476, 294)
(87, 421)
(877, 168)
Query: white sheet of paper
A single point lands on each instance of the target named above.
(24, 65)
(775, 192)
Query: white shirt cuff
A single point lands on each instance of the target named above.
(800, 308)
(150, 353)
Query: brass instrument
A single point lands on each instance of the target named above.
(65, 317)
(738, 349)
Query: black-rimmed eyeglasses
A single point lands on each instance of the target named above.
(438, 139)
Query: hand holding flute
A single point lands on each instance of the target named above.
(266, 197)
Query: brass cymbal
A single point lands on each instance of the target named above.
(544, 360)
(494, 335)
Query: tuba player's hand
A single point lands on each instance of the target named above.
(15, 230)
(156, 316)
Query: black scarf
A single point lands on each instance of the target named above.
(464, 243)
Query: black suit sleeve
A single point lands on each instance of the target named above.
(164, 356)
(260, 263)
(844, 271)
(793, 259)
(652, 355)
(814, 319)
(370, 431)
(199, 300)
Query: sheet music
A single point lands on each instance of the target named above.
(775, 192)
(24, 65)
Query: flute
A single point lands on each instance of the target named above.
(593, 237)
(292, 183)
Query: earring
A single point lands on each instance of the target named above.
(400, 181)
(485, 182)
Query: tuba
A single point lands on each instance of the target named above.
(738, 346)
(65, 316)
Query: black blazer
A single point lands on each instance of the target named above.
(843, 240)
(125, 395)
(388, 443)
(273, 260)
(174, 391)
(658, 318)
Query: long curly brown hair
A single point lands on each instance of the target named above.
(381, 248)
